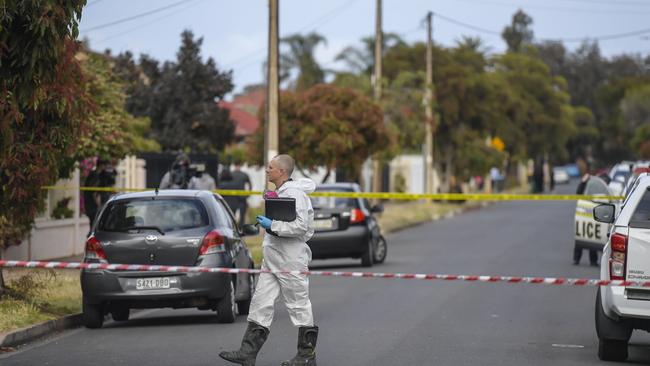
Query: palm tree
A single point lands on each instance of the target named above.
(362, 59)
(301, 57)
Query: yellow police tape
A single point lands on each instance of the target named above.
(385, 195)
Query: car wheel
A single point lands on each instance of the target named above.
(381, 249)
(612, 335)
(226, 306)
(120, 313)
(368, 256)
(93, 314)
(611, 350)
(243, 307)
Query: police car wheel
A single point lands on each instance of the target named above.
(612, 350)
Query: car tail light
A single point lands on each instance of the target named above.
(357, 216)
(212, 243)
(617, 256)
(94, 251)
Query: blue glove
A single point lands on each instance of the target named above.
(264, 221)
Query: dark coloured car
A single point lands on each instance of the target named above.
(346, 227)
(172, 228)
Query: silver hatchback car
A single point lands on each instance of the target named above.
(173, 228)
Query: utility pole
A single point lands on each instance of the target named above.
(271, 144)
(376, 166)
(429, 122)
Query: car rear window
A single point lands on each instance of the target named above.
(165, 214)
(641, 216)
(333, 202)
(596, 186)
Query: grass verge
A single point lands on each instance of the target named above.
(37, 295)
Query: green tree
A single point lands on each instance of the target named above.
(466, 105)
(635, 106)
(641, 142)
(598, 84)
(111, 131)
(545, 114)
(586, 136)
(615, 145)
(183, 101)
(301, 57)
(42, 104)
(327, 126)
(518, 34)
(403, 109)
(138, 78)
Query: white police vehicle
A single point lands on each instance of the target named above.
(626, 256)
(588, 233)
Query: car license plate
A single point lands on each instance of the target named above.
(323, 224)
(152, 283)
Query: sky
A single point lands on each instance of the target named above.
(235, 34)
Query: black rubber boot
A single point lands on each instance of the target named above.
(251, 344)
(306, 355)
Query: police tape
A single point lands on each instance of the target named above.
(402, 276)
(385, 195)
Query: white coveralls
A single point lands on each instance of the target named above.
(287, 251)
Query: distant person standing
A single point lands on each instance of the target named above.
(202, 180)
(538, 176)
(582, 186)
(178, 176)
(495, 177)
(226, 182)
(102, 176)
(241, 181)
(551, 179)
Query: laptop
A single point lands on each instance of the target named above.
(280, 209)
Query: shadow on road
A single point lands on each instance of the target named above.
(639, 353)
(163, 321)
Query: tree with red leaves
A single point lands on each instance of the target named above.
(328, 126)
(42, 103)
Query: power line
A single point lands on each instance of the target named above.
(192, 3)
(608, 36)
(135, 16)
(605, 37)
(466, 25)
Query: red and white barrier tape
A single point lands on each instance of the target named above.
(404, 276)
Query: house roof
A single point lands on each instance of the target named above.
(243, 111)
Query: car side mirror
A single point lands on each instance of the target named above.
(604, 213)
(249, 229)
(377, 209)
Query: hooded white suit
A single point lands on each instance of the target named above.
(287, 251)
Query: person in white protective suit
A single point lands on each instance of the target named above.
(284, 248)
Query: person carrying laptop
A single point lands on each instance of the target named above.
(285, 248)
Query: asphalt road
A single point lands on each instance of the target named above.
(397, 322)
